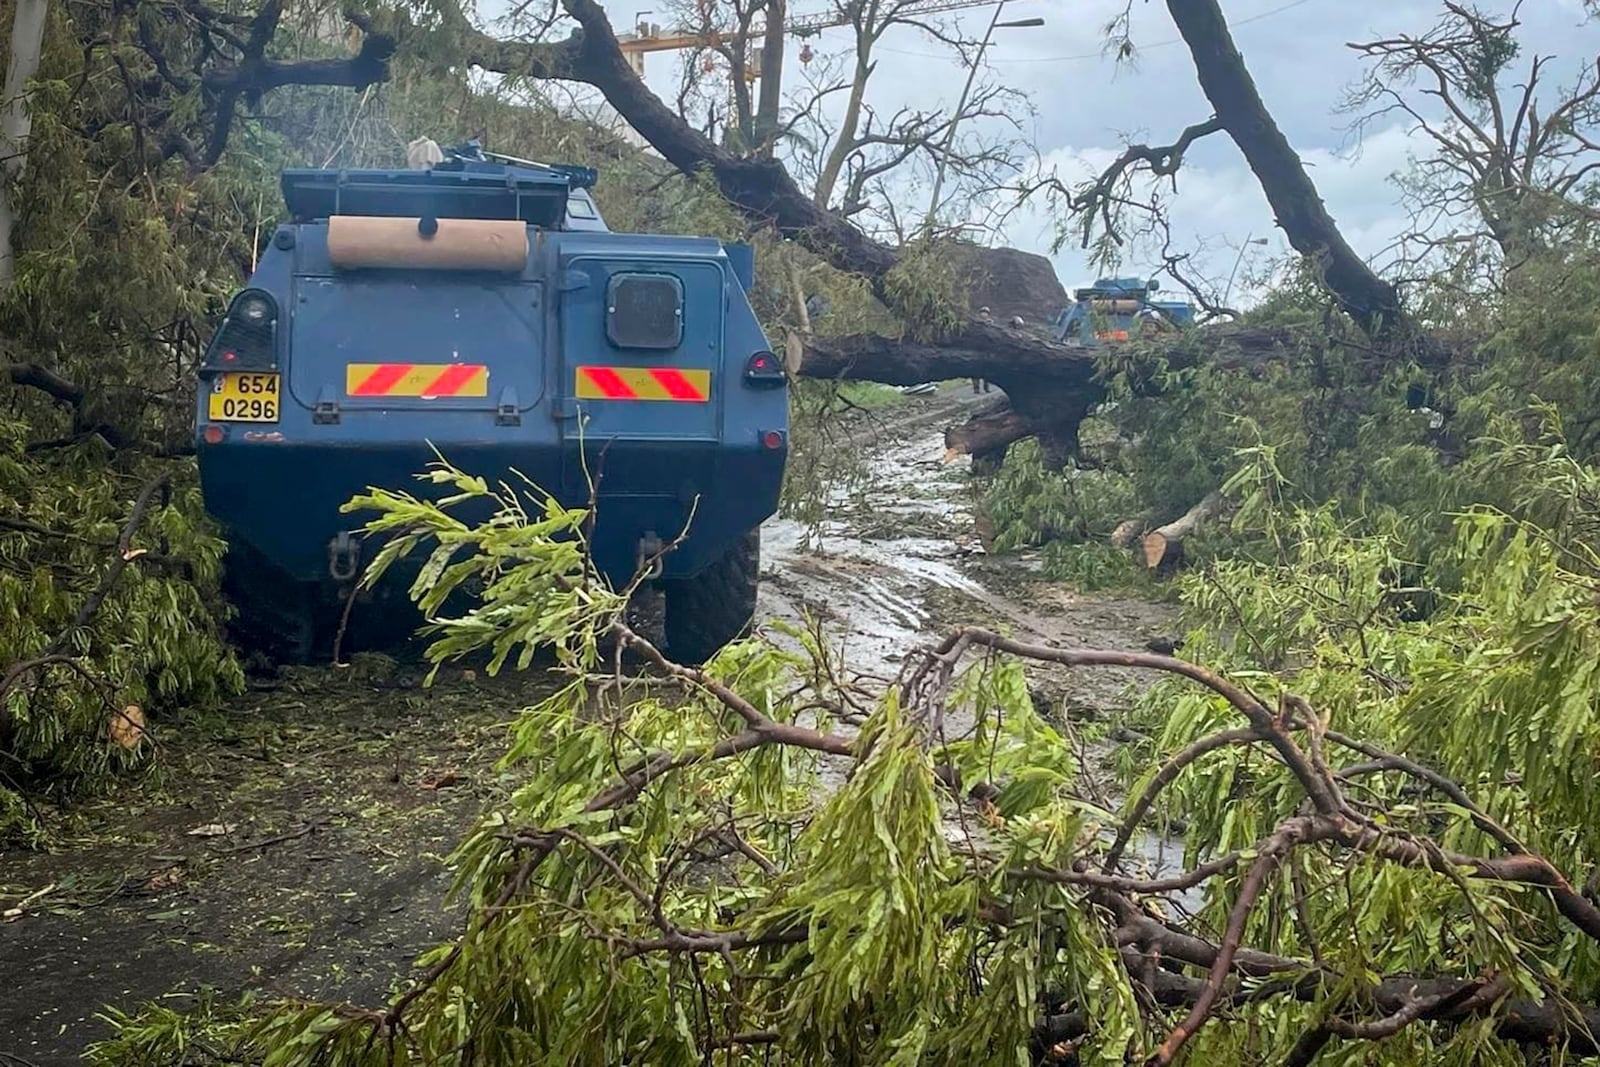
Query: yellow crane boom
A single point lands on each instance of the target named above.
(648, 37)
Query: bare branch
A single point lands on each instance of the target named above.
(1099, 198)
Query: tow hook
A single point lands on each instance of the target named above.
(344, 557)
(649, 555)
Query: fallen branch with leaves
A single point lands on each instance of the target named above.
(58, 653)
(748, 849)
(79, 694)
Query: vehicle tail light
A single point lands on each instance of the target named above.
(764, 368)
(248, 337)
(772, 439)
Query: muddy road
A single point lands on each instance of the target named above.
(901, 560)
(297, 842)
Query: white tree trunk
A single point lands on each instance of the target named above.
(16, 118)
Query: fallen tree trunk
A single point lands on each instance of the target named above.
(987, 431)
(1162, 548)
(1049, 387)
(1016, 361)
(1129, 531)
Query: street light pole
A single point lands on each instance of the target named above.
(1238, 260)
(966, 90)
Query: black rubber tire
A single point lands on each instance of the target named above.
(275, 617)
(716, 606)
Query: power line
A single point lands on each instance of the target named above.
(1101, 54)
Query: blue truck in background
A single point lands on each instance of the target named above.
(481, 306)
(1117, 309)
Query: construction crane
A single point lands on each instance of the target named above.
(649, 37)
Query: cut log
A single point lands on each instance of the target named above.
(1162, 548)
(794, 353)
(1128, 531)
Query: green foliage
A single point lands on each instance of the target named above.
(748, 900)
(858, 911)
(924, 291)
(530, 570)
(1094, 566)
(1031, 504)
(1495, 687)
(161, 1035)
(151, 643)
(122, 260)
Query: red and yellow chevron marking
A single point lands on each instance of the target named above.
(416, 379)
(644, 383)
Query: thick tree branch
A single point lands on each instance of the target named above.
(369, 66)
(72, 395)
(762, 189)
(1370, 300)
(35, 376)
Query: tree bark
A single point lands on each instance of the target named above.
(1226, 81)
(770, 102)
(1127, 532)
(989, 432)
(844, 141)
(1035, 373)
(762, 189)
(16, 120)
(1017, 362)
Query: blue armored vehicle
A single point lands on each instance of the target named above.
(1116, 309)
(482, 307)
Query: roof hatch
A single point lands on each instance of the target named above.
(451, 190)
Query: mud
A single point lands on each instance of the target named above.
(295, 845)
(899, 568)
(326, 804)
(884, 587)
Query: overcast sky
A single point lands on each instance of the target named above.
(1088, 106)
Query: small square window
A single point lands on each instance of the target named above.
(644, 311)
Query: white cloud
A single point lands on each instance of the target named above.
(1087, 106)
(1219, 205)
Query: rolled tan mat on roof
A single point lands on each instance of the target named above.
(356, 241)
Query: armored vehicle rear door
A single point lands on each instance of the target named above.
(408, 339)
(641, 348)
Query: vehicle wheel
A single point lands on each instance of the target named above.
(385, 620)
(275, 618)
(714, 607)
